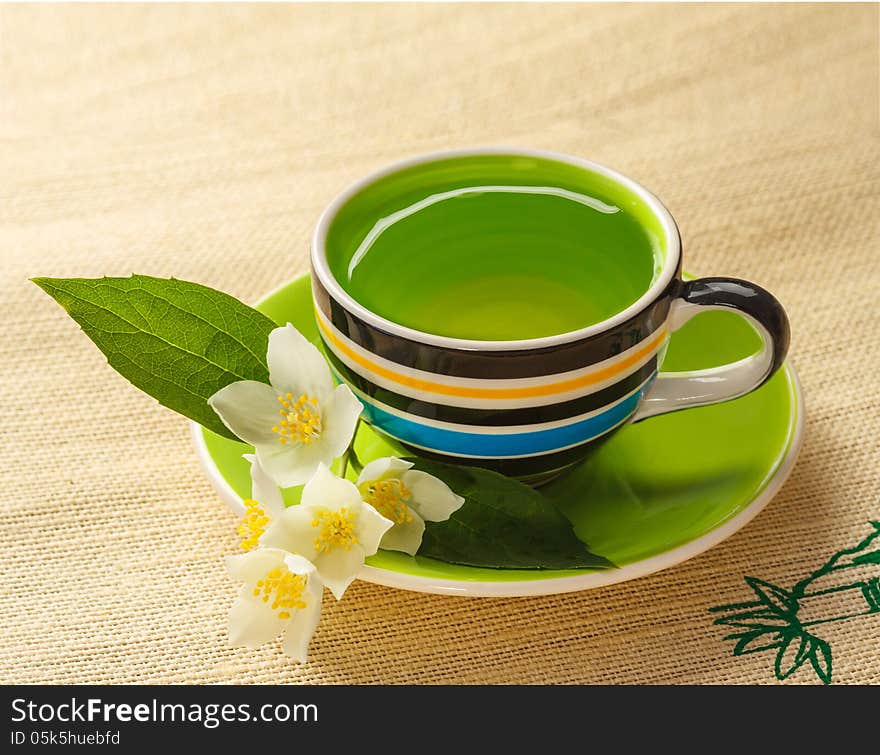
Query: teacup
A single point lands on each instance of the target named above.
(510, 308)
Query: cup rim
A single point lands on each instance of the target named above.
(321, 268)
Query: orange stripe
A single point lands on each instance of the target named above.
(465, 392)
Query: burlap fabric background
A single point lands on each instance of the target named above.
(204, 141)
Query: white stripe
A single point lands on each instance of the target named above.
(493, 430)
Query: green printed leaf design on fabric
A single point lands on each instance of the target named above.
(792, 654)
(820, 658)
(865, 553)
(758, 619)
(503, 524)
(867, 558)
(177, 341)
(754, 642)
(773, 621)
(775, 598)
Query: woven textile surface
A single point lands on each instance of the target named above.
(203, 141)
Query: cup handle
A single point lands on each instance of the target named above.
(672, 391)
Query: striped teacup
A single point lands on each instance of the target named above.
(528, 408)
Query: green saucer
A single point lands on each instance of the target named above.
(657, 493)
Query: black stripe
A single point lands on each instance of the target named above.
(495, 417)
(498, 364)
(533, 469)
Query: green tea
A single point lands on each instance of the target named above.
(500, 262)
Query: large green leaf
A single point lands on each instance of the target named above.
(502, 524)
(179, 342)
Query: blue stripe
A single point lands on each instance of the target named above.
(513, 444)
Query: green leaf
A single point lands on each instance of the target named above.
(867, 558)
(791, 656)
(763, 619)
(820, 659)
(755, 642)
(773, 597)
(862, 554)
(503, 524)
(177, 341)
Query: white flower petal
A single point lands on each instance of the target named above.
(249, 409)
(297, 564)
(264, 490)
(327, 491)
(340, 414)
(296, 365)
(302, 623)
(370, 528)
(339, 567)
(383, 469)
(406, 537)
(252, 622)
(252, 566)
(292, 532)
(300, 629)
(430, 497)
(289, 464)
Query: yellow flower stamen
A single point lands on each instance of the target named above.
(284, 588)
(300, 419)
(253, 524)
(389, 498)
(336, 530)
